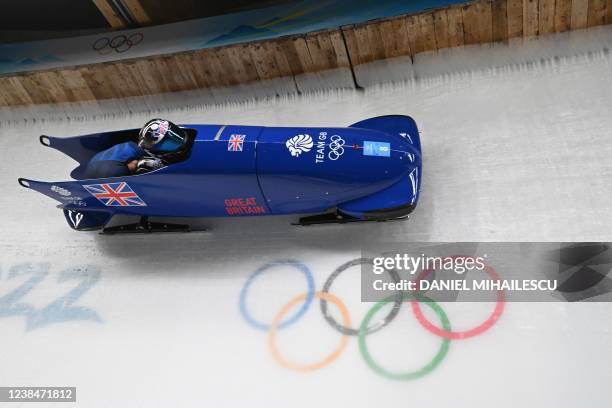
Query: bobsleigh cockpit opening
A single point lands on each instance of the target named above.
(123, 153)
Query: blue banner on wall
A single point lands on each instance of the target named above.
(265, 23)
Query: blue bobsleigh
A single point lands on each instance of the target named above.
(369, 171)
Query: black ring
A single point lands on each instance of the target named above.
(127, 44)
(349, 330)
(122, 38)
(98, 47)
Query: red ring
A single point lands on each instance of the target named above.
(458, 335)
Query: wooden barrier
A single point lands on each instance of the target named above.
(481, 21)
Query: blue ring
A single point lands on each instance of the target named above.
(309, 297)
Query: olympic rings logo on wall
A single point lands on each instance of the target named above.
(119, 43)
(283, 319)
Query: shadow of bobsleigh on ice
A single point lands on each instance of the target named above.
(231, 241)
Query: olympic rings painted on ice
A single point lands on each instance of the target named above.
(349, 330)
(119, 43)
(365, 329)
(319, 364)
(310, 291)
(412, 375)
(458, 335)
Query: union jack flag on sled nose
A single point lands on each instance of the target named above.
(115, 195)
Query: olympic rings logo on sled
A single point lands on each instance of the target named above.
(336, 147)
(119, 43)
(282, 320)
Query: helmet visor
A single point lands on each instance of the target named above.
(172, 141)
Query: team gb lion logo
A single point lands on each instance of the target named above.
(299, 144)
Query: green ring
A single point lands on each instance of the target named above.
(412, 375)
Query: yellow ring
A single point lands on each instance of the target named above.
(319, 364)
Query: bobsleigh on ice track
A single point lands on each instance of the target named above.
(369, 171)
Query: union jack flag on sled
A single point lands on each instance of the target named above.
(115, 195)
(234, 144)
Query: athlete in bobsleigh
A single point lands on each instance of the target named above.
(159, 142)
(369, 171)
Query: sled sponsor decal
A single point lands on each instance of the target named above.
(61, 191)
(381, 149)
(299, 144)
(75, 218)
(406, 136)
(235, 143)
(115, 194)
(332, 150)
(243, 206)
(414, 180)
(66, 195)
(75, 201)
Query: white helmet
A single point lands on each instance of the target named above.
(161, 136)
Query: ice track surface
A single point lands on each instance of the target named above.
(519, 153)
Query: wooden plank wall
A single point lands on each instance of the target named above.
(480, 21)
